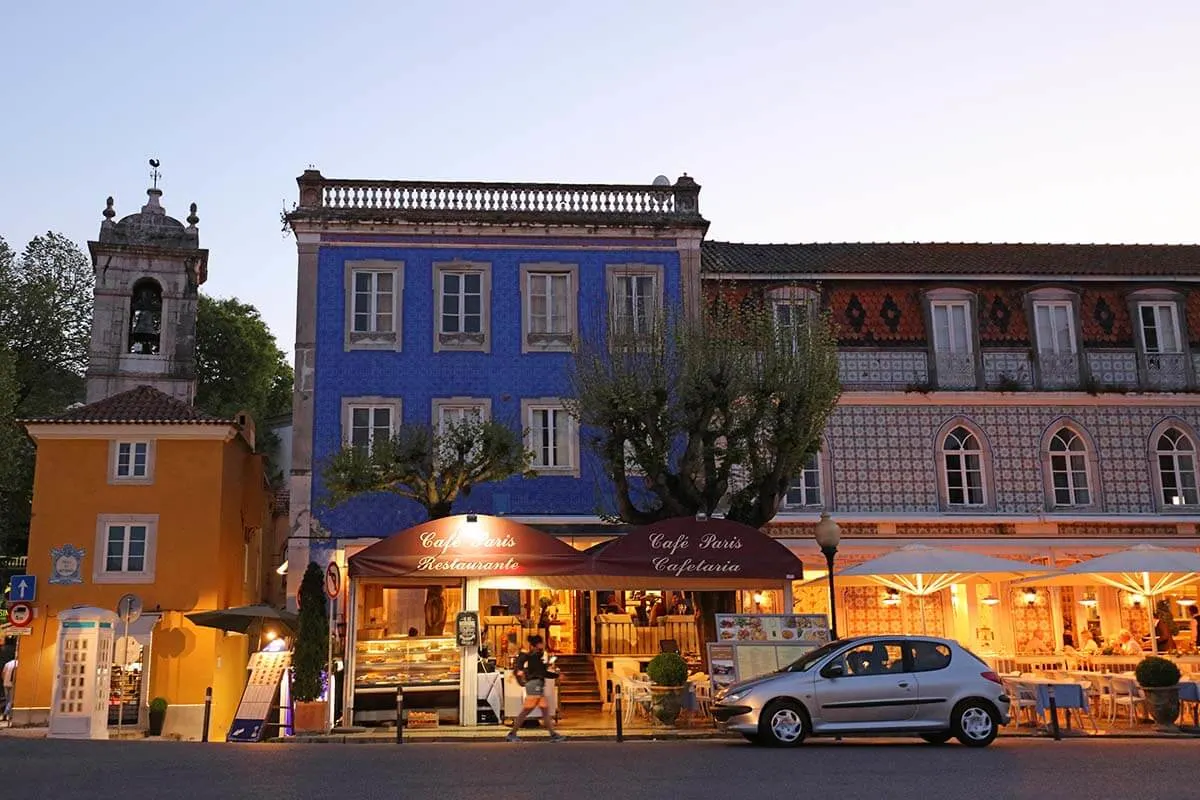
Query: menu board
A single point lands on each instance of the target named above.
(772, 628)
(751, 645)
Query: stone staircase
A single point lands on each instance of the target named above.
(577, 688)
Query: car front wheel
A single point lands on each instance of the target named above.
(783, 724)
(974, 724)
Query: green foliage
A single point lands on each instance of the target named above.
(158, 705)
(430, 466)
(1156, 671)
(239, 366)
(667, 669)
(312, 642)
(724, 408)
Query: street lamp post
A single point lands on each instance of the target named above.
(828, 534)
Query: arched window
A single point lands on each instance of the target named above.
(1177, 468)
(1069, 469)
(962, 459)
(145, 318)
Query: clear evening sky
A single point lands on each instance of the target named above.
(961, 120)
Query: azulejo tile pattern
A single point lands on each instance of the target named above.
(1115, 368)
(883, 368)
(884, 458)
(1004, 368)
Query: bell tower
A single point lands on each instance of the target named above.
(148, 268)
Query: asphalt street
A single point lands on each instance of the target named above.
(891, 770)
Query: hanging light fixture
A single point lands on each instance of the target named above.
(1031, 597)
(891, 597)
(991, 600)
(1089, 600)
(1186, 602)
(1136, 600)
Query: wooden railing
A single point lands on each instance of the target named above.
(625, 638)
(321, 196)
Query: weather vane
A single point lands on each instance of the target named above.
(154, 173)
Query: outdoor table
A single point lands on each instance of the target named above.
(1189, 692)
(1067, 695)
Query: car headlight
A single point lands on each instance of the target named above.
(735, 697)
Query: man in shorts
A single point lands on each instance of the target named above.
(531, 667)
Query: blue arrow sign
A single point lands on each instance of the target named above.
(22, 588)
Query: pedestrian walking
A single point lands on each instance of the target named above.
(532, 672)
(9, 679)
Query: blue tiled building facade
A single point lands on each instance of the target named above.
(502, 363)
(423, 303)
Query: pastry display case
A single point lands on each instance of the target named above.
(412, 662)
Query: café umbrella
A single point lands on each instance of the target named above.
(920, 570)
(243, 619)
(1143, 569)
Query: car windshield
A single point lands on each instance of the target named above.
(806, 661)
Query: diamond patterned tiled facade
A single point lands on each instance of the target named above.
(885, 458)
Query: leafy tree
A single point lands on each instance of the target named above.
(312, 640)
(239, 366)
(430, 466)
(45, 320)
(700, 414)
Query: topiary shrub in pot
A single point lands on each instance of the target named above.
(1159, 679)
(668, 672)
(158, 716)
(309, 657)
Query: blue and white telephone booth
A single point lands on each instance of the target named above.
(79, 707)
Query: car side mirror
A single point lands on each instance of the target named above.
(833, 671)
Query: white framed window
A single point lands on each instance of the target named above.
(1070, 482)
(805, 489)
(551, 437)
(131, 462)
(367, 420)
(463, 296)
(963, 469)
(1055, 323)
(635, 299)
(1159, 325)
(374, 299)
(952, 326)
(550, 299)
(126, 546)
(1176, 453)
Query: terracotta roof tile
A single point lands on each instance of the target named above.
(141, 405)
(963, 260)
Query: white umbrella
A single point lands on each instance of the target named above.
(1142, 569)
(920, 570)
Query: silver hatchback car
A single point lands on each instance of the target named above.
(871, 685)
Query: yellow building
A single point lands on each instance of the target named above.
(165, 503)
(138, 492)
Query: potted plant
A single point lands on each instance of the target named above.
(668, 674)
(158, 715)
(309, 714)
(1159, 679)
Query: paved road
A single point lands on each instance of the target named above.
(895, 770)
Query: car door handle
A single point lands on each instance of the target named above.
(903, 684)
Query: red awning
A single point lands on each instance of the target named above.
(686, 548)
(467, 545)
